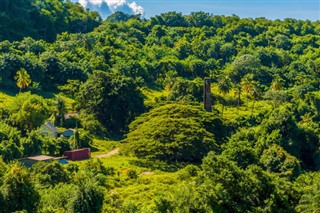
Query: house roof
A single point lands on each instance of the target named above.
(71, 114)
(41, 158)
(50, 126)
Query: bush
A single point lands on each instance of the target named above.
(175, 133)
(132, 174)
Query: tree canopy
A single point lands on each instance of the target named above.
(175, 132)
(133, 87)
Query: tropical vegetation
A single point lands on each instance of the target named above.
(136, 87)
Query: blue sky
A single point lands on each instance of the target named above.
(271, 9)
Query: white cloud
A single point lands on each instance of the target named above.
(137, 9)
(107, 7)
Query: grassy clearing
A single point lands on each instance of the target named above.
(146, 187)
(245, 110)
(232, 112)
(104, 146)
(152, 94)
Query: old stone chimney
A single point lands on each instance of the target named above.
(207, 95)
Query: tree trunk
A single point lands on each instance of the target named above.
(239, 92)
(253, 106)
(222, 110)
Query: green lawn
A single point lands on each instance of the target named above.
(151, 95)
(104, 146)
(143, 188)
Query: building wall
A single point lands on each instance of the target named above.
(78, 154)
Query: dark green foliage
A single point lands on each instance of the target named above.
(188, 172)
(308, 185)
(71, 88)
(49, 174)
(175, 132)
(8, 132)
(9, 151)
(59, 198)
(185, 90)
(112, 98)
(120, 17)
(9, 142)
(29, 112)
(264, 165)
(310, 155)
(3, 169)
(60, 111)
(31, 145)
(62, 145)
(132, 174)
(89, 197)
(44, 19)
(82, 196)
(92, 125)
(75, 142)
(280, 128)
(223, 186)
(18, 192)
(240, 152)
(95, 167)
(275, 159)
(198, 45)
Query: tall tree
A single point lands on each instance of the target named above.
(250, 87)
(60, 111)
(28, 112)
(23, 78)
(18, 192)
(112, 98)
(224, 87)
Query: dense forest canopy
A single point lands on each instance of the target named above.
(140, 82)
(43, 19)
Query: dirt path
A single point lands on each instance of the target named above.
(113, 152)
(147, 173)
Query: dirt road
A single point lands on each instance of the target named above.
(113, 152)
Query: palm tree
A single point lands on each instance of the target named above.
(23, 79)
(275, 92)
(224, 87)
(239, 90)
(250, 87)
(60, 111)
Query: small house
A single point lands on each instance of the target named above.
(78, 154)
(68, 133)
(48, 129)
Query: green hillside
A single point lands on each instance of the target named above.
(134, 90)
